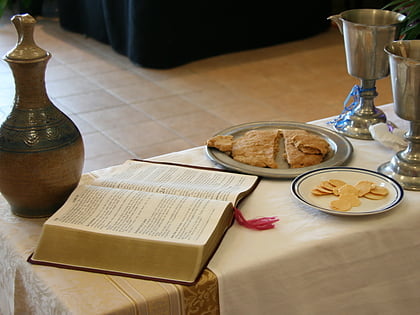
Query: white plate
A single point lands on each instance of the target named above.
(341, 150)
(303, 184)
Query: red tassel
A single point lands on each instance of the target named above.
(256, 224)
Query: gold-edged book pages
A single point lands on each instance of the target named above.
(144, 219)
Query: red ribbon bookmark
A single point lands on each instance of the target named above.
(264, 223)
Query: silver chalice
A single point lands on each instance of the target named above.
(366, 32)
(404, 62)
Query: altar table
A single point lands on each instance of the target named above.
(311, 263)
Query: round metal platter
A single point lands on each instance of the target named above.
(341, 150)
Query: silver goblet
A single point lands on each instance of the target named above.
(365, 32)
(404, 61)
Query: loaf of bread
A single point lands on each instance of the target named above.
(260, 147)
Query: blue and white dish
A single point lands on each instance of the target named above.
(303, 184)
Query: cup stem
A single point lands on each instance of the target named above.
(355, 123)
(367, 95)
(412, 153)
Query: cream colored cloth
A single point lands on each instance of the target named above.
(316, 263)
(311, 263)
(32, 289)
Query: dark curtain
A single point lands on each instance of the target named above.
(168, 33)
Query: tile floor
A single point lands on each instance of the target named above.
(124, 111)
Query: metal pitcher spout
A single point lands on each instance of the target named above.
(337, 20)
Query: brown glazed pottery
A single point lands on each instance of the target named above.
(41, 150)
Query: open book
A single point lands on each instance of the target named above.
(144, 219)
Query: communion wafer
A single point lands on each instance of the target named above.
(349, 195)
(373, 196)
(341, 204)
(327, 185)
(318, 192)
(379, 190)
(348, 190)
(336, 182)
(364, 187)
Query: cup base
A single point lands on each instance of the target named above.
(357, 126)
(408, 176)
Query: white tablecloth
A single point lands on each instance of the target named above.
(311, 263)
(316, 263)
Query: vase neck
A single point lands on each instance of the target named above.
(30, 90)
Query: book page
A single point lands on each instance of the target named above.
(177, 180)
(141, 214)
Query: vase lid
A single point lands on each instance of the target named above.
(26, 49)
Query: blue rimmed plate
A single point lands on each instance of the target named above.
(304, 183)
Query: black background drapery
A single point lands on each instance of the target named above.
(168, 33)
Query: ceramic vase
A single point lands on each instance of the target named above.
(41, 149)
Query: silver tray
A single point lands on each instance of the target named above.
(341, 150)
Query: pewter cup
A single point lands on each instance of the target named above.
(404, 61)
(366, 32)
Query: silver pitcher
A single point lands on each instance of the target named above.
(365, 32)
(404, 60)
